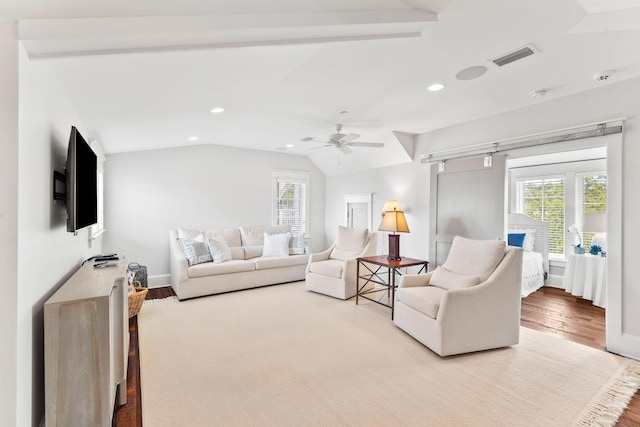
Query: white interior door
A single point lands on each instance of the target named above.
(467, 199)
(358, 210)
(357, 215)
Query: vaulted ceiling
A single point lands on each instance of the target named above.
(145, 74)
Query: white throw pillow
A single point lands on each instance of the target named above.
(296, 244)
(196, 252)
(219, 249)
(276, 244)
(445, 279)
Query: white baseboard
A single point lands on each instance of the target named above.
(159, 280)
(555, 281)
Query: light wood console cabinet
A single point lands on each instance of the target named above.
(86, 344)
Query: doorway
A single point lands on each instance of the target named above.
(358, 210)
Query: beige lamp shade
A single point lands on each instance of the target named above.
(395, 222)
(391, 205)
(595, 223)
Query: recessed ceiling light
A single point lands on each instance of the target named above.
(217, 110)
(436, 87)
(289, 145)
(538, 93)
(193, 138)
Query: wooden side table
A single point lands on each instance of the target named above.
(381, 271)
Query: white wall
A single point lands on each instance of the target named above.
(617, 100)
(8, 219)
(408, 183)
(150, 192)
(47, 254)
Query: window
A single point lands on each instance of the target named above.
(290, 200)
(544, 199)
(592, 199)
(560, 193)
(97, 229)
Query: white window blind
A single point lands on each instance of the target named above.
(290, 201)
(543, 199)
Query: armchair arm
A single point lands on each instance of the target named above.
(488, 306)
(320, 256)
(414, 280)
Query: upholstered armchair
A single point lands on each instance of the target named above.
(333, 272)
(470, 303)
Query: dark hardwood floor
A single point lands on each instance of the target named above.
(130, 415)
(548, 310)
(556, 312)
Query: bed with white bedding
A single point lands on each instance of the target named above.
(535, 255)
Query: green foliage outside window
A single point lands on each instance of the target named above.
(594, 191)
(544, 199)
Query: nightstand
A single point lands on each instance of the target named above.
(586, 276)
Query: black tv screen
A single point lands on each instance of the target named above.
(82, 183)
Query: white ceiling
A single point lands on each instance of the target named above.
(145, 74)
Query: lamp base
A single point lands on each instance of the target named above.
(394, 247)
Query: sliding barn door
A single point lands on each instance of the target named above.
(467, 199)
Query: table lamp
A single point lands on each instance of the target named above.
(394, 221)
(596, 223)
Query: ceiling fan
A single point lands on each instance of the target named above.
(343, 141)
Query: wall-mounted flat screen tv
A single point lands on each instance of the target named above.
(82, 183)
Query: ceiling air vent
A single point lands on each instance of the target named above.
(514, 56)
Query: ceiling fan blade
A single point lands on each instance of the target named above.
(366, 144)
(349, 137)
(344, 149)
(306, 139)
(320, 147)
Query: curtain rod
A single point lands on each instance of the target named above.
(516, 143)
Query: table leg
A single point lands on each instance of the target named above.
(393, 291)
(357, 281)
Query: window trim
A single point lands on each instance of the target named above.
(291, 176)
(97, 230)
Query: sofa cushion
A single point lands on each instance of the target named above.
(195, 251)
(330, 267)
(276, 245)
(349, 243)
(191, 234)
(220, 251)
(296, 244)
(230, 235)
(237, 253)
(254, 236)
(211, 269)
(263, 263)
(252, 251)
(425, 299)
(446, 279)
(475, 257)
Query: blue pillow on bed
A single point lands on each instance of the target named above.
(515, 239)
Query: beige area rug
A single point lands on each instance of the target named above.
(282, 356)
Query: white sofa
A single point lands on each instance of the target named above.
(333, 272)
(470, 303)
(246, 269)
